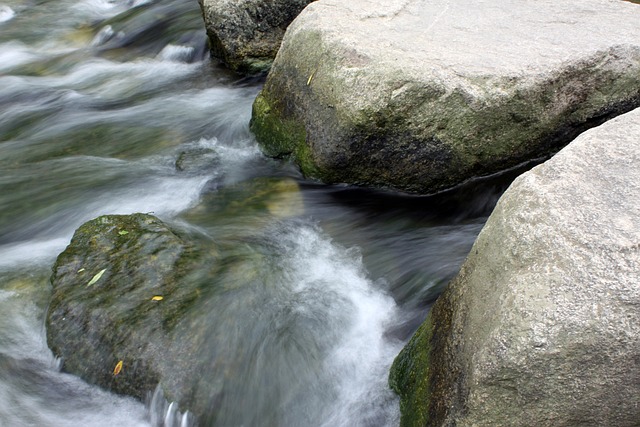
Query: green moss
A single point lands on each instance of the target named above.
(304, 157)
(281, 136)
(252, 65)
(410, 377)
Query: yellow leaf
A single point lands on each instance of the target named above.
(311, 78)
(157, 298)
(123, 232)
(96, 277)
(81, 270)
(117, 369)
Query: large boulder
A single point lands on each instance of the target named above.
(422, 95)
(246, 34)
(542, 325)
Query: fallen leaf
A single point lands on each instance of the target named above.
(311, 78)
(96, 277)
(81, 270)
(117, 369)
(157, 298)
(123, 232)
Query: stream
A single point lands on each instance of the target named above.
(114, 107)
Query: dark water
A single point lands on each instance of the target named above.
(114, 107)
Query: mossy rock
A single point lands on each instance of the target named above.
(195, 342)
(120, 291)
(361, 93)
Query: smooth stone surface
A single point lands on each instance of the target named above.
(542, 324)
(422, 95)
(246, 34)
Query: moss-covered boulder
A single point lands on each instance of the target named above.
(246, 34)
(139, 303)
(123, 292)
(421, 96)
(541, 327)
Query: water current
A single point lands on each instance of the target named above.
(113, 106)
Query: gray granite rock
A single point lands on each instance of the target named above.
(422, 95)
(246, 34)
(542, 325)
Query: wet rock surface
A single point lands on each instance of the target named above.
(123, 291)
(421, 96)
(139, 303)
(246, 34)
(541, 326)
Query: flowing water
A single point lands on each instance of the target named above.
(112, 106)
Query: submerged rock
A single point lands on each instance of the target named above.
(421, 96)
(198, 160)
(246, 34)
(542, 324)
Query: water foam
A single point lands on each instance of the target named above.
(14, 54)
(105, 8)
(175, 53)
(6, 13)
(39, 252)
(105, 34)
(113, 80)
(358, 313)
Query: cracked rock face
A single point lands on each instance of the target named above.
(542, 324)
(420, 96)
(246, 34)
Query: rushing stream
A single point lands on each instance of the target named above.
(110, 106)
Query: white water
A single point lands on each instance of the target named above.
(360, 311)
(6, 13)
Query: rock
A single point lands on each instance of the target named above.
(244, 208)
(221, 288)
(246, 34)
(198, 160)
(421, 96)
(542, 324)
(103, 309)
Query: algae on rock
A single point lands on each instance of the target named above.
(169, 302)
(103, 309)
(361, 93)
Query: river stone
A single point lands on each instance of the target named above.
(422, 95)
(542, 324)
(246, 34)
(103, 309)
(198, 160)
